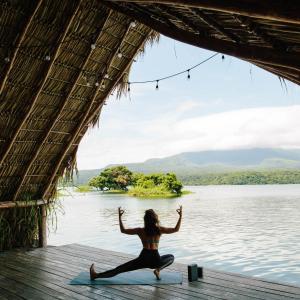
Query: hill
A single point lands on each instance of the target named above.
(193, 164)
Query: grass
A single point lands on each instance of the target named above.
(155, 192)
(83, 189)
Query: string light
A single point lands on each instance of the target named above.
(106, 76)
(93, 46)
(223, 57)
(174, 75)
(7, 59)
(48, 57)
(119, 54)
(96, 83)
(128, 89)
(188, 75)
(133, 24)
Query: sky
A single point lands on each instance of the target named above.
(226, 104)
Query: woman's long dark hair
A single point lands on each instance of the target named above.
(151, 223)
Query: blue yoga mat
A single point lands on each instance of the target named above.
(142, 277)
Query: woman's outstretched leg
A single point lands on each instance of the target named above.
(131, 265)
(165, 260)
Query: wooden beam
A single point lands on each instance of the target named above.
(86, 116)
(19, 41)
(245, 52)
(11, 204)
(281, 10)
(44, 75)
(42, 226)
(61, 107)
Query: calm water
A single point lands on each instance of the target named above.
(253, 230)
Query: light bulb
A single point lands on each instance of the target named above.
(106, 76)
(96, 83)
(156, 85)
(7, 59)
(93, 46)
(188, 76)
(47, 57)
(128, 89)
(120, 54)
(103, 85)
(132, 24)
(88, 84)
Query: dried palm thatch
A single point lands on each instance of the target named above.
(60, 60)
(265, 33)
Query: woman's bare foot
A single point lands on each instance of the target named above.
(93, 274)
(156, 273)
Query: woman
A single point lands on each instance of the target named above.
(149, 256)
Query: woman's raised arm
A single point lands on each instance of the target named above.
(177, 227)
(122, 228)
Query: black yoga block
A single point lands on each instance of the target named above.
(200, 272)
(192, 272)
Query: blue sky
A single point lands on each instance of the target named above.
(226, 104)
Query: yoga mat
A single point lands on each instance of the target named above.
(142, 277)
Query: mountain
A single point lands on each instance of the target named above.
(195, 163)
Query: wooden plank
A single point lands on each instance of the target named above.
(241, 290)
(48, 270)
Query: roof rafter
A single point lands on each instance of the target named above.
(61, 107)
(83, 119)
(44, 75)
(17, 47)
(215, 25)
(281, 10)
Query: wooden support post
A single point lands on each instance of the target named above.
(43, 227)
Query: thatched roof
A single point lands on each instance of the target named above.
(60, 61)
(53, 85)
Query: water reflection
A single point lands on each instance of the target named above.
(253, 230)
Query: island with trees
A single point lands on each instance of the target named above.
(119, 178)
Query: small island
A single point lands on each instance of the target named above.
(122, 180)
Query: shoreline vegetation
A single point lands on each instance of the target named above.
(120, 179)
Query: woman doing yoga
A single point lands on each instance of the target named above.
(149, 256)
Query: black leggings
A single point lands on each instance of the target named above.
(147, 259)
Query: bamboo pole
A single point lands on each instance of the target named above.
(61, 107)
(11, 204)
(281, 11)
(44, 75)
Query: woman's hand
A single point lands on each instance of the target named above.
(179, 210)
(120, 211)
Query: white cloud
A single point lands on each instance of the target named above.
(171, 134)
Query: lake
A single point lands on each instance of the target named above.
(253, 230)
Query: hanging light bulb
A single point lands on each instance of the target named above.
(7, 59)
(88, 84)
(156, 85)
(120, 54)
(48, 57)
(128, 89)
(93, 46)
(97, 83)
(106, 76)
(133, 24)
(223, 57)
(188, 75)
(103, 85)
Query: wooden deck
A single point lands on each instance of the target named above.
(45, 274)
